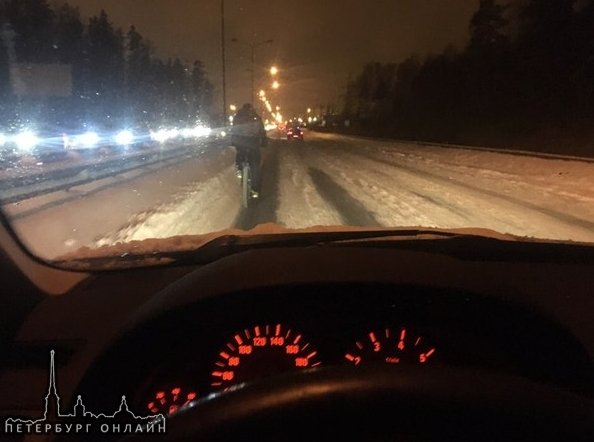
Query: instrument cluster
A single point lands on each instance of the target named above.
(264, 350)
(226, 341)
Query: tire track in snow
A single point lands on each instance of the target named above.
(486, 208)
(440, 202)
(300, 204)
(390, 200)
(263, 210)
(498, 174)
(559, 216)
(352, 211)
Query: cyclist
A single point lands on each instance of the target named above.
(248, 136)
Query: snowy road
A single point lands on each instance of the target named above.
(325, 180)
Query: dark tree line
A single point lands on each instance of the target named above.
(526, 78)
(116, 78)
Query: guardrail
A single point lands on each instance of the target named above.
(19, 188)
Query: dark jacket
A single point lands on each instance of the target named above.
(248, 130)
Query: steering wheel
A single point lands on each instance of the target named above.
(383, 403)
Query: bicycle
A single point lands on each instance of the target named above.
(246, 184)
(245, 172)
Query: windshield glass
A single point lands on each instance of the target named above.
(131, 120)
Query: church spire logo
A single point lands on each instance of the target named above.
(81, 420)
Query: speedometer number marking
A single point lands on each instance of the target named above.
(261, 350)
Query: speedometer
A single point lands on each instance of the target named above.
(399, 346)
(261, 351)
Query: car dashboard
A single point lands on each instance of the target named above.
(249, 336)
(166, 336)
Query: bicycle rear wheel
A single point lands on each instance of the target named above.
(246, 185)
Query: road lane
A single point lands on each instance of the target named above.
(416, 189)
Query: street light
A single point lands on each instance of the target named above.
(275, 84)
(273, 70)
(253, 47)
(233, 108)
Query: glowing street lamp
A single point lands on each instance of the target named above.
(275, 85)
(233, 108)
(262, 93)
(273, 70)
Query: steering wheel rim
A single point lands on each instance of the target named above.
(420, 404)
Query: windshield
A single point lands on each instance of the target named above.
(127, 120)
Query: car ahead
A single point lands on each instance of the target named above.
(294, 133)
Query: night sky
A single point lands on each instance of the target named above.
(317, 43)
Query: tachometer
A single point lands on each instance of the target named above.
(392, 347)
(262, 351)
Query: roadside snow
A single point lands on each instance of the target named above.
(202, 208)
(56, 224)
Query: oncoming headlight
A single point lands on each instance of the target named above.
(161, 135)
(88, 139)
(124, 138)
(25, 141)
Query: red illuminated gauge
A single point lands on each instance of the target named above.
(259, 352)
(168, 401)
(391, 347)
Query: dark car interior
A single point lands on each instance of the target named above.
(460, 336)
